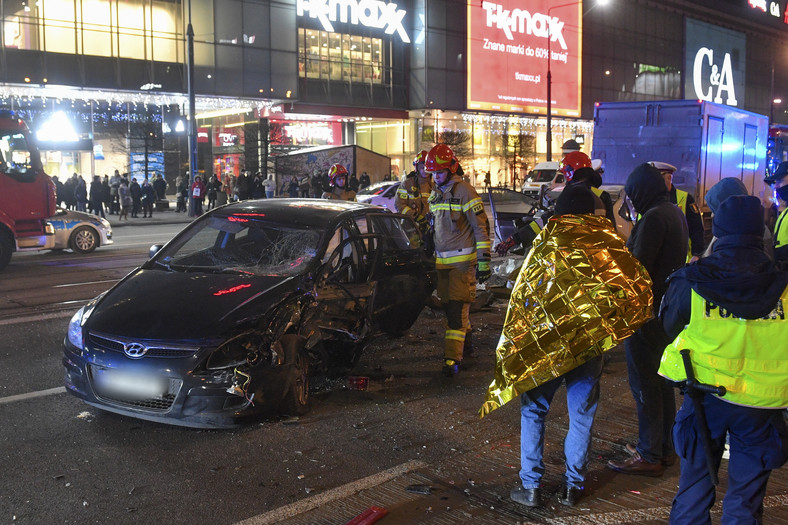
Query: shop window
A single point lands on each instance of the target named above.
(336, 56)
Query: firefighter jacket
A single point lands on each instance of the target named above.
(728, 311)
(413, 195)
(341, 194)
(461, 228)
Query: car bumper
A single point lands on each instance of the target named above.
(186, 399)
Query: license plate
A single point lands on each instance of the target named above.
(136, 386)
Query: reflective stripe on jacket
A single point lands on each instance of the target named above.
(461, 226)
(746, 356)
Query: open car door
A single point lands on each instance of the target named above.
(507, 206)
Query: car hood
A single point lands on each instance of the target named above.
(154, 304)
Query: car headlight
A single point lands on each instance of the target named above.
(247, 349)
(75, 329)
(78, 320)
(105, 223)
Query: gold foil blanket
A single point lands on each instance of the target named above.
(579, 293)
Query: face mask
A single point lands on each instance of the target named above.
(782, 192)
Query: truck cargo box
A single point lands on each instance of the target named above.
(705, 141)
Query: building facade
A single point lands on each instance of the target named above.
(106, 80)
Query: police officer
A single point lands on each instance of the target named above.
(686, 204)
(338, 182)
(780, 183)
(462, 249)
(414, 192)
(728, 310)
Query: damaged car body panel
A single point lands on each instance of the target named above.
(231, 318)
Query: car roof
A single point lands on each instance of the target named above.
(302, 212)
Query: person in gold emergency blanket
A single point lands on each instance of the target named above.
(338, 180)
(462, 249)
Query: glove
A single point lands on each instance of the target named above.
(504, 247)
(483, 271)
(423, 223)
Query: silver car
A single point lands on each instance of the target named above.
(80, 231)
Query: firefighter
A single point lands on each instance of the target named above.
(780, 183)
(462, 249)
(413, 195)
(728, 311)
(337, 179)
(687, 205)
(577, 169)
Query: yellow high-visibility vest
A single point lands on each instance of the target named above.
(781, 230)
(746, 356)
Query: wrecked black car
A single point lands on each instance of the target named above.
(231, 318)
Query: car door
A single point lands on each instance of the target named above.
(507, 206)
(402, 272)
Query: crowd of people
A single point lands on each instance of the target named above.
(119, 195)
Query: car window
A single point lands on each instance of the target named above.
(540, 176)
(15, 156)
(237, 243)
(396, 233)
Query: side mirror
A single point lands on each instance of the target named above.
(153, 250)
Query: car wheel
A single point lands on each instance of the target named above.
(297, 400)
(83, 240)
(6, 248)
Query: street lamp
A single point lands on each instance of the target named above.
(550, 75)
(192, 112)
(771, 112)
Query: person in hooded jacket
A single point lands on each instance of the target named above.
(728, 311)
(659, 241)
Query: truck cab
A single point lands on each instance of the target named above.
(543, 174)
(27, 194)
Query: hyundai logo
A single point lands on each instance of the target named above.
(134, 350)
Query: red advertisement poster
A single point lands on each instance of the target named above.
(507, 56)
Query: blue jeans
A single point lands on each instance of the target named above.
(654, 396)
(582, 396)
(758, 445)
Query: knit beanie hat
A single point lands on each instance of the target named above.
(738, 215)
(725, 188)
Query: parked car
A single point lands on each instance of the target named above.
(381, 193)
(230, 319)
(80, 231)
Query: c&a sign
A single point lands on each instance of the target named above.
(714, 64)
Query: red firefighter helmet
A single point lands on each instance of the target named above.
(441, 157)
(420, 157)
(572, 162)
(336, 171)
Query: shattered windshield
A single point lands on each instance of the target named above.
(241, 243)
(540, 176)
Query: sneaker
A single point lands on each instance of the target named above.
(637, 465)
(450, 367)
(527, 497)
(667, 461)
(569, 496)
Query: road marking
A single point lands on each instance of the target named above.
(31, 395)
(41, 317)
(299, 507)
(84, 283)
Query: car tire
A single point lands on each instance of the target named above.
(83, 240)
(298, 400)
(6, 249)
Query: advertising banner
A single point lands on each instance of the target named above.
(507, 56)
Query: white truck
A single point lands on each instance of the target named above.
(705, 141)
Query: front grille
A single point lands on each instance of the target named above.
(153, 404)
(154, 348)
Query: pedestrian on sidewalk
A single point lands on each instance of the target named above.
(124, 196)
(659, 241)
(148, 198)
(198, 194)
(727, 309)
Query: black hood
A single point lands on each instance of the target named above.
(738, 276)
(645, 187)
(154, 304)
